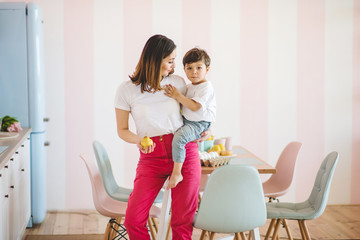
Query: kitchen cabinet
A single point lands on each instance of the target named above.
(15, 198)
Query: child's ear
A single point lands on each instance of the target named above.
(208, 68)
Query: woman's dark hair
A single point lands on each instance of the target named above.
(147, 73)
(196, 54)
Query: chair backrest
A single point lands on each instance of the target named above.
(279, 183)
(233, 201)
(320, 192)
(105, 169)
(105, 205)
(112, 188)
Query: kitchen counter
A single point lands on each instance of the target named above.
(13, 144)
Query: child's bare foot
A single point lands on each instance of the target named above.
(174, 180)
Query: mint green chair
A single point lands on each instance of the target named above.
(112, 188)
(310, 209)
(233, 202)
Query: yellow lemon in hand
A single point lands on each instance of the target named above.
(146, 141)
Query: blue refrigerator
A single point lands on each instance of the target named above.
(22, 88)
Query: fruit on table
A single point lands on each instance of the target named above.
(226, 153)
(146, 141)
(215, 148)
(210, 138)
(222, 147)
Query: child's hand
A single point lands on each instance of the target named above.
(204, 135)
(171, 91)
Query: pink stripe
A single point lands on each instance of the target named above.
(196, 26)
(254, 76)
(310, 91)
(137, 27)
(355, 176)
(78, 64)
(29, 1)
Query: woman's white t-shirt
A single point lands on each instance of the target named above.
(155, 114)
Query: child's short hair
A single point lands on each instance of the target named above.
(196, 54)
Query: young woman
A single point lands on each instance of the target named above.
(158, 117)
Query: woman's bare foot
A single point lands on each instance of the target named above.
(175, 178)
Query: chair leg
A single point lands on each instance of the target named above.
(249, 235)
(155, 224)
(271, 226)
(212, 236)
(115, 228)
(168, 229)
(236, 236)
(199, 201)
(107, 230)
(243, 237)
(152, 232)
(203, 234)
(112, 232)
(305, 229)
(277, 226)
(287, 229)
(239, 236)
(301, 230)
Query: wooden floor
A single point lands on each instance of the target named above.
(337, 222)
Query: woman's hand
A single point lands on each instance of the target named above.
(149, 149)
(171, 91)
(204, 135)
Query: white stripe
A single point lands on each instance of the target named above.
(338, 93)
(225, 62)
(282, 79)
(167, 20)
(108, 74)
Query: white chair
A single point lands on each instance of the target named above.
(233, 202)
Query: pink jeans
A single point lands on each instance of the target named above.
(152, 171)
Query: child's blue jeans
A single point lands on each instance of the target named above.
(190, 131)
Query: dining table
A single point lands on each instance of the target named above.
(241, 155)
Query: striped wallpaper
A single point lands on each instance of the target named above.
(283, 70)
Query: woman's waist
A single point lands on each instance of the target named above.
(163, 147)
(154, 133)
(163, 137)
(157, 127)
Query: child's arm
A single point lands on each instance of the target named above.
(172, 92)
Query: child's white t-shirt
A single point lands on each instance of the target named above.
(204, 94)
(154, 114)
